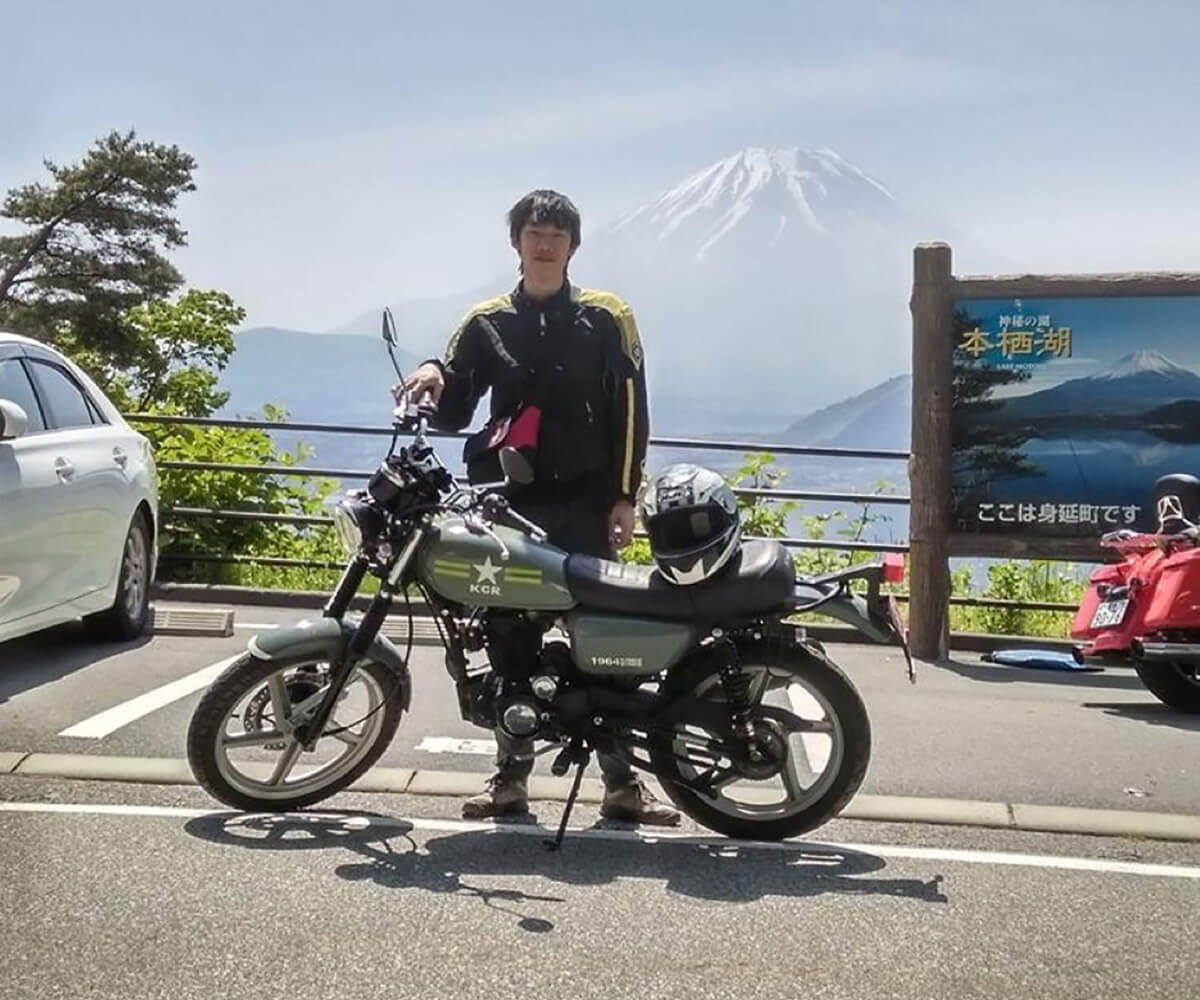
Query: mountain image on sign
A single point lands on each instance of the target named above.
(1078, 455)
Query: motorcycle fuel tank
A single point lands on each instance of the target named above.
(473, 569)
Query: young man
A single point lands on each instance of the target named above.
(575, 353)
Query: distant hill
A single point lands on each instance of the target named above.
(878, 418)
(315, 377)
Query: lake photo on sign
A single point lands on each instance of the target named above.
(1066, 411)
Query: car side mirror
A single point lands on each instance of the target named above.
(13, 420)
(516, 467)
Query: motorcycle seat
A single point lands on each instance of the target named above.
(760, 577)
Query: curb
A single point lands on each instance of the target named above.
(868, 808)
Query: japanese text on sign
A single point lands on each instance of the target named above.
(1056, 513)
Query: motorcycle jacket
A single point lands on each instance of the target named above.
(576, 355)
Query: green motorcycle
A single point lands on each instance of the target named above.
(748, 725)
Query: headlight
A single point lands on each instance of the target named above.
(348, 531)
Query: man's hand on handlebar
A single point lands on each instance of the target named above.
(427, 379)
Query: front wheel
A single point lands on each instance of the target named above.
(1174, 684)
(812, 727)
(239, 742)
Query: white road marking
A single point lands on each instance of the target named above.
(358, 822)
(817, 746)
(112, 719)
(452, 744)
(256, 626)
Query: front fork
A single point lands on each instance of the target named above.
(308, 732)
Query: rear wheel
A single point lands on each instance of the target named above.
(130, 612)
(1174, 684)
(814, 737)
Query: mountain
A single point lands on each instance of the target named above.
(785, 273)
(343, 380)
(1137, 383)
(877, 418)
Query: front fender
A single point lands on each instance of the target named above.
(328, 638)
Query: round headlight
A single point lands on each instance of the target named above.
(345, 522)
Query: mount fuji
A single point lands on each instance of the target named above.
(771, 280)
(1135, 384)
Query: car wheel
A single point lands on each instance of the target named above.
(130, 612)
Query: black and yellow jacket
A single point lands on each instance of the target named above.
(579, 356)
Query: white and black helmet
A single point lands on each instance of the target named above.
(692, 518)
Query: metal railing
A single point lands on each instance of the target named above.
(183, 513)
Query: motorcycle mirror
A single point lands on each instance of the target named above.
(389, 327)
(516, 466)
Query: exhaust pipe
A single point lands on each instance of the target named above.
(1157, 652)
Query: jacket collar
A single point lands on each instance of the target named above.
(561, 303)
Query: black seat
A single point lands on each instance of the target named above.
(760, 576)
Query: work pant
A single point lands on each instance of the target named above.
(578, 528)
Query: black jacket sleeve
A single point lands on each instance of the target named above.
(465, 371)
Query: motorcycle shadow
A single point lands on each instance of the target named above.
(391, 856)
(1153, 713)
(997, 674)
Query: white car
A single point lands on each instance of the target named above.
(78, 501)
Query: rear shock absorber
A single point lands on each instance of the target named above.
(735, 683)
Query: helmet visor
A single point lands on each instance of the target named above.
(682, 529)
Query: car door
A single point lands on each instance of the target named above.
(34, 554)
(92, 479)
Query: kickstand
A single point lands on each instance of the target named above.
(556, 843)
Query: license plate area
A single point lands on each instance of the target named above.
(1110, 613)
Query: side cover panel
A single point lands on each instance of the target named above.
(614, 644)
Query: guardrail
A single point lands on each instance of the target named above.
(182, 513)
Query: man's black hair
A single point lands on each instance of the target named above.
(544, 207)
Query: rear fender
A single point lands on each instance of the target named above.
(328, 639)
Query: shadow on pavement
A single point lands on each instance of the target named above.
(995, 674)
(391, 857)
(1154, 713)
(43, 657)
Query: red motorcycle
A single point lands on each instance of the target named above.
(1147, 606)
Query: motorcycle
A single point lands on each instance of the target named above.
(746, 723)
(1146, 607)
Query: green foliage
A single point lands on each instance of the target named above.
(221, 490)
(94, 242)
(1039, 581)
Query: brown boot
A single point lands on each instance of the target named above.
(635, 803)
(504, 795)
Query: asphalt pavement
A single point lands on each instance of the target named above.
(140, 885)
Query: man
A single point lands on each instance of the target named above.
(577, 355)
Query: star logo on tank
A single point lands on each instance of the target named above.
(488, 572)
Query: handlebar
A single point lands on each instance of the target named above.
(498, 509)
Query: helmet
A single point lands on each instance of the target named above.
(691, 516)
(1177, 503)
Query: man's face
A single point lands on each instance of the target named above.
(544, 250)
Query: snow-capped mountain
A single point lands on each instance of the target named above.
(1136, 383)
(777, 196)
(782, 273)
(1143, 362)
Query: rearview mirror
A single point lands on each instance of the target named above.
(389, 327)
(516, 466)
(13, 420)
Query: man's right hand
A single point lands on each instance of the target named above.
(427, 378)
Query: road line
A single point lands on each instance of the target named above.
(452, 744)
(904, 853)
(110, 720)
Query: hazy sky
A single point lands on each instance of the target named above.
(357, 152)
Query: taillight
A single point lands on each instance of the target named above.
(893, 567)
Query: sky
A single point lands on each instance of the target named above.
(362, 152)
